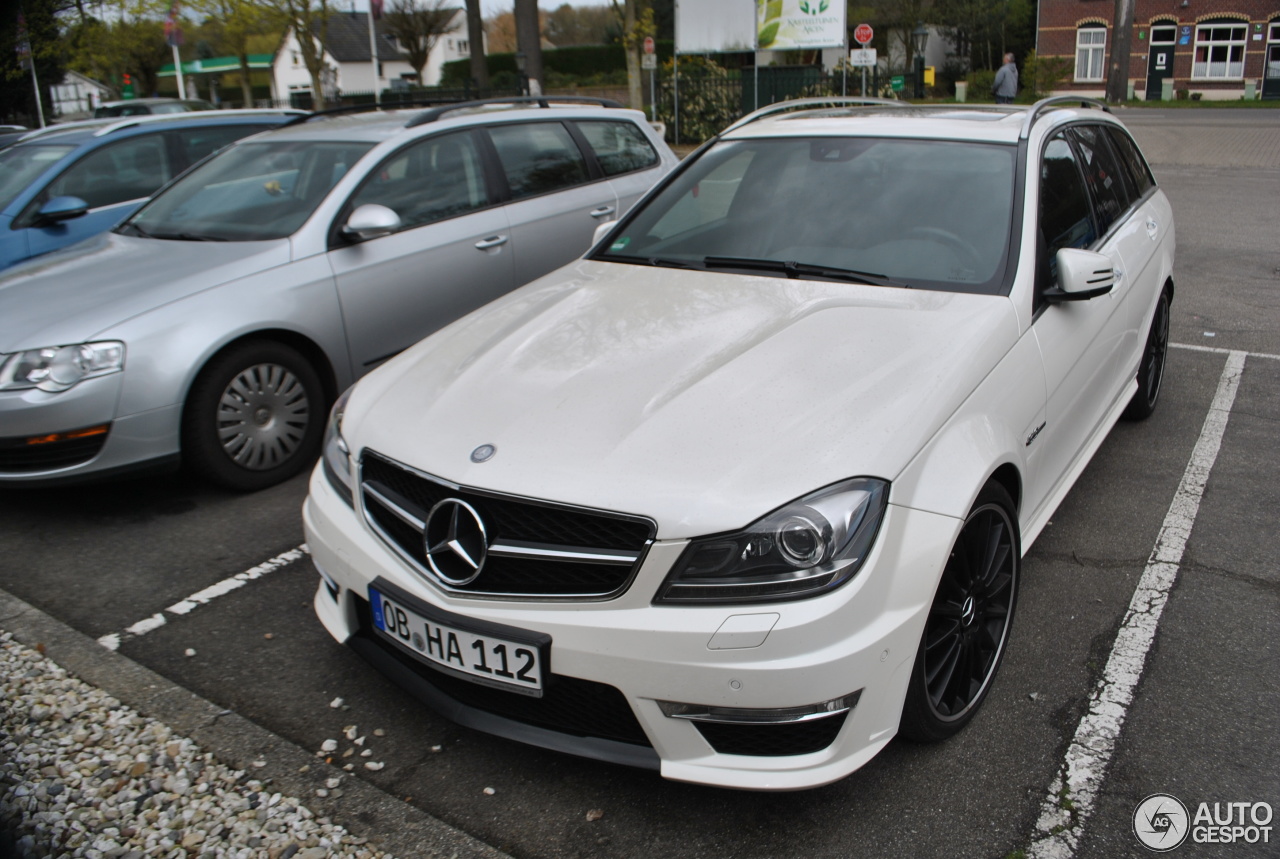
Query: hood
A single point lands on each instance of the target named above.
(702, 400)
(72, 295)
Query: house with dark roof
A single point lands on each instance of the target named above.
(1210, 49)
(347, 59)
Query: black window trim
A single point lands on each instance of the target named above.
(594, 174)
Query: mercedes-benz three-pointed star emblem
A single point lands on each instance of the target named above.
(456, 542)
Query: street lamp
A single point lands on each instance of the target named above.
(919, 39)
(521, 62)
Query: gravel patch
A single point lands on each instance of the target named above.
(82, 775)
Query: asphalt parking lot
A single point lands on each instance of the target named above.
(150, 566)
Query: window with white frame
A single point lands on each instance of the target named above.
(464, 47)
(1219, 51)
(1091, 45)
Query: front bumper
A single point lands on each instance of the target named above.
(131, 442)
(860, 639)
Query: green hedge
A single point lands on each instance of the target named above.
(580, 61)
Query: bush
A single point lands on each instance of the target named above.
(1041, 75)
(980, 83)
(709, 100)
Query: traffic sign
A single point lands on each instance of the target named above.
(863, 34)
(897, 83)
(649, 62)
(862, 57)
(649, 46)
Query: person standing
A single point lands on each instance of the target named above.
(1006, 83)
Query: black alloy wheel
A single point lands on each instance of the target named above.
(968, 624)
(1151, 370)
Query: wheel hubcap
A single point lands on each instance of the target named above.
(263, 416)
(969, 620)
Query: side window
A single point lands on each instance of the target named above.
(1102, 174)
(1139, 172)
(128, 170)
(433, 179)
(620, 147)
(1065, 220)
(197, 143)
(538, 157)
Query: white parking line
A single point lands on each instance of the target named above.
(1193, 348)
(112, 641)
(1074, 791)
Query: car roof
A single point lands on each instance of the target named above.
(88, 129)
(375, 126)
(987, 123)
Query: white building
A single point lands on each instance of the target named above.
(347, 57)
(78, 95)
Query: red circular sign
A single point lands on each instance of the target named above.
(649, 47)
(862, 35)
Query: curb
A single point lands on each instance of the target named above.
(364, 810)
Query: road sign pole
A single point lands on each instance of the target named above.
(864, 81)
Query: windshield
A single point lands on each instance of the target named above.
(20, 165)
(249, 192)
(930, 214)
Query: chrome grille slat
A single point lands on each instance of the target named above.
(587, 553)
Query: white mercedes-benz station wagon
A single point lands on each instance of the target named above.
(743, 494)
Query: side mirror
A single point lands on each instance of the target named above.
(60, 209)
(602, 230)
(370, 221)
(1082, 275)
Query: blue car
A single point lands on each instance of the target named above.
(69, 182)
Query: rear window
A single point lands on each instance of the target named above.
(620, 147)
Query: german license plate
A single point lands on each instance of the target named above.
(492, 660)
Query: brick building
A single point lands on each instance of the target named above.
(1221, 49)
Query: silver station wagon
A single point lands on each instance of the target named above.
(218, 322)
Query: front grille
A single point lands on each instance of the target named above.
(534, 548)
(17, 455)
(797, 738)
(569, 705)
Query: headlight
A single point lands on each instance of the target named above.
(808, 547)
(337, 456)
(56, 368)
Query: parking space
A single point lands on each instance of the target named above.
(1202, 725)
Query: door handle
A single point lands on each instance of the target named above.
(1118, 274)
(491, 242)
(1152, 228)
(602, 212)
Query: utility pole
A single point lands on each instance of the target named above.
(529, 42)
(475, 40)
(1118, 73)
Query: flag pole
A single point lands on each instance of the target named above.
(36, 83)
(177, 66)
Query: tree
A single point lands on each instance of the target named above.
(127, 40)
(309, 21)
(637, 23)
(235, 24)
(502, 33)
(418, 26)
(581, 25)
(17, 95)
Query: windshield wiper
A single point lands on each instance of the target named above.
(794, 269)
(671, 263)
(187, 237)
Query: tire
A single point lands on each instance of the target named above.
(969, 621)
(1151, 370)
(254, 417)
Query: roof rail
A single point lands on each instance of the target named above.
(432, 114)
(148, 118)
(370, 107)
(807, 103)
(1033, 112)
